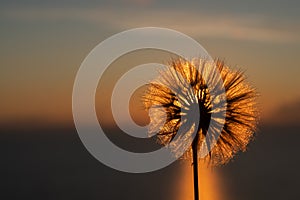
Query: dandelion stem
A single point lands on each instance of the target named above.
(195, 167)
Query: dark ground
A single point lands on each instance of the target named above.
(51, 163)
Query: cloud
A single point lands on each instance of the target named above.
(225, 26)
(140, 2)
(286, 114)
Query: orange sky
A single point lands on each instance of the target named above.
(42, 48)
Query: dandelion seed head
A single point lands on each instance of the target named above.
(228, 115)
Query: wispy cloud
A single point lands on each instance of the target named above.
(225, 26)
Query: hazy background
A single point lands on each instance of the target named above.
(42, 44)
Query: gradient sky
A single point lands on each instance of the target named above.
(44, 42)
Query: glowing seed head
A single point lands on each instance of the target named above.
(230, 116)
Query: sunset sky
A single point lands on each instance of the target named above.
(44, 42)
(42, 45)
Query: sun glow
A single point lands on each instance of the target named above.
(209, 186)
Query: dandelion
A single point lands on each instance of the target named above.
(227, 119)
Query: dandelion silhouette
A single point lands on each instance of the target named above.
(222, 130)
